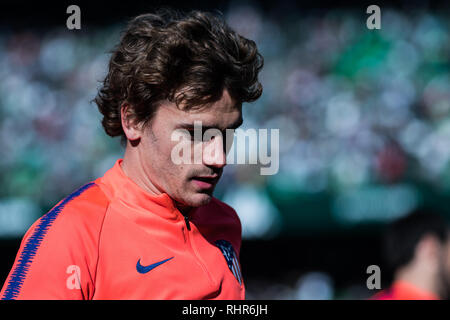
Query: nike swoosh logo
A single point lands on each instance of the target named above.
(144, 269)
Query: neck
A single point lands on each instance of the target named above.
(185, 210)
(133, 167)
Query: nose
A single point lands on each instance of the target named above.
(214, 154)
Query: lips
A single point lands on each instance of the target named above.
(205, 182)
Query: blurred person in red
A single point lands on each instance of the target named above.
(150, 228)
(417, 248)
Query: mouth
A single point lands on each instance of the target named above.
(205, 182)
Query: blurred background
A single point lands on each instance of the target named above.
(363, 118)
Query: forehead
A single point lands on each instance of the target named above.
(221, 114)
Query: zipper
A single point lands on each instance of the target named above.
(188, 225)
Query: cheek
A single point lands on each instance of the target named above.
(159, 151)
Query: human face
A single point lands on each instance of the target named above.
(192, 184)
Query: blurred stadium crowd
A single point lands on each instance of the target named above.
(363, 119)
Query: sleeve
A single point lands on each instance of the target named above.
(58, 255)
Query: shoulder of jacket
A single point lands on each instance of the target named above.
(83, 209)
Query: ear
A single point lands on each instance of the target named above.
(129, 126)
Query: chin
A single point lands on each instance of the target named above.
(199, 199)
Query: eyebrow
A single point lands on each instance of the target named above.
(190, 126)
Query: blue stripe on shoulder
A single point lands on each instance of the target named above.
(32, 245)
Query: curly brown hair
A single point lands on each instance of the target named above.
(188, 59)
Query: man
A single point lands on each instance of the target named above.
(417, 247)
(150, 227)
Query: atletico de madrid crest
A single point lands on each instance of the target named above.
(231, 258)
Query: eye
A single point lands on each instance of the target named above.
(193, 136)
